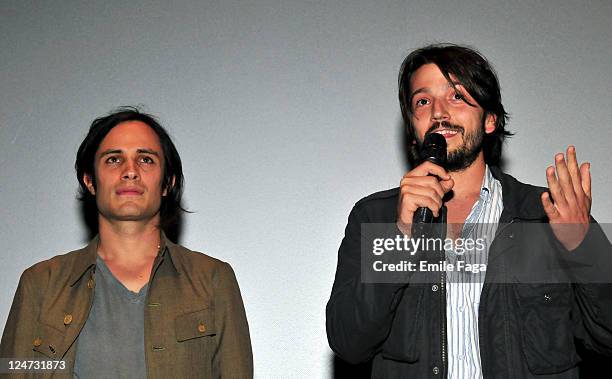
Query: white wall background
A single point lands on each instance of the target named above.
(285, 114)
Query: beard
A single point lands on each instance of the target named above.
(463, 156)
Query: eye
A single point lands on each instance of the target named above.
(147, 160)
(112, 160)
(458, 96)
(421, 102)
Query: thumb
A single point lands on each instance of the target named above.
(551, 211)
(447, 185)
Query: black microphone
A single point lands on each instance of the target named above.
(433, 150)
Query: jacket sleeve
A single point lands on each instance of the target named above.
(592, 275)
(358, 315)
(234, 357)
(18, 335)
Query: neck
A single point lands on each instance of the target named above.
(468, 182)
(128, 241)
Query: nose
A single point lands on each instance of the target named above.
(439, 112)
(130, 171)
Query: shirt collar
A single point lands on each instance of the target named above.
(486, 189)
(86, 259)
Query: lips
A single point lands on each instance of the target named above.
(129, 191)
(447, 133)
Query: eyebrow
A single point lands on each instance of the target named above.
(147, 151)
(427, 89)
(119, 151)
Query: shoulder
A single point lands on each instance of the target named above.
(379, 197)
(510, 182)
(519, 198)
(197, 258)
(378, 207)
(58, 266)
(197, 264)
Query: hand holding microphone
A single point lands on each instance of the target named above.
(422, 188)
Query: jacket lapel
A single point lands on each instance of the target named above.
(521, 204)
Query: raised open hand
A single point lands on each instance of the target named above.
(570, 207)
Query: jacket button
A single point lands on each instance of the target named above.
(90, 284)
(434, 287)
(547, 297)
(201, 327)
(436, 370)
(511, 235)
(37, 342)
(67, 319)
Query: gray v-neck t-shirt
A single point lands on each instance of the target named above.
(111, 344)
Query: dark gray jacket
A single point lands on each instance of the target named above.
(526, 330)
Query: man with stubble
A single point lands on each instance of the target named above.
(490, 324)
(132, 304)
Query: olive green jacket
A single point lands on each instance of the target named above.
(195, 323)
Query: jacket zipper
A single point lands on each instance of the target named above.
(443, 319)
(444, 368)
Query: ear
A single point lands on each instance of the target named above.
(89, 183)
(169, 187)
(490, 123)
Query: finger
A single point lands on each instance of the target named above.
(423, 181)
(430, 181)
(551, 211)
(447, 185)
(554, 187)
(428, 168)
(423, 192)
(564, 179)
(421, 201)
(574, 171)
(585, 175)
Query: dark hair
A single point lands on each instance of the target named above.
(173, 170)
(475, 73)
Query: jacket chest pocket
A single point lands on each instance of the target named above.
(403, 342)
(546, 327)
(196, 343)
(55, 332)
(194, 325)
(49, 342)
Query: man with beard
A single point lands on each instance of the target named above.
(465, 325)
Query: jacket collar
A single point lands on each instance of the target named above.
(86, 259)
(520, 200)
